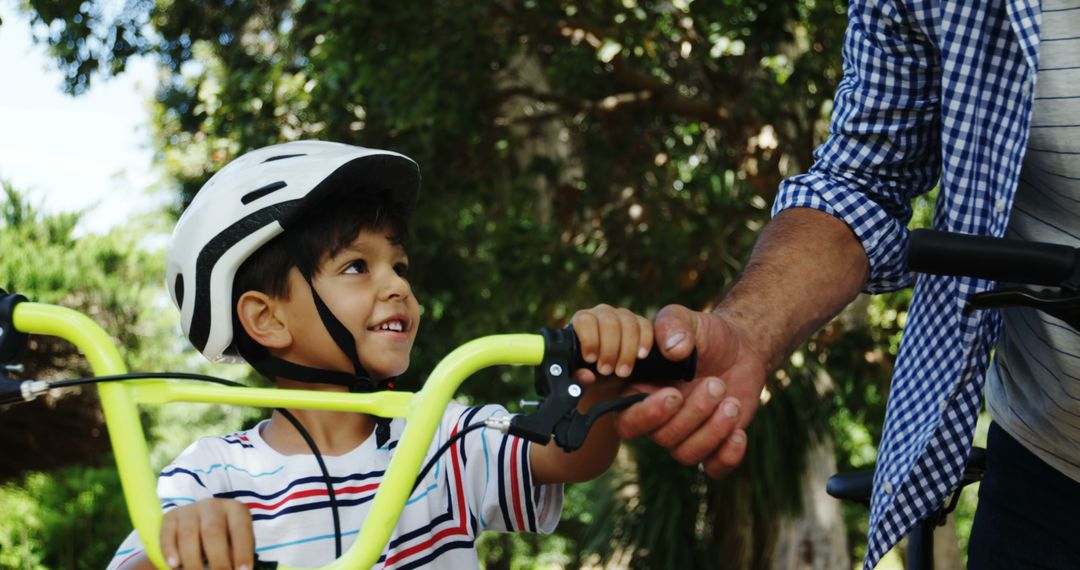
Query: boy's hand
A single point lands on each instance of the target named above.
(613, 339)
(215, 533)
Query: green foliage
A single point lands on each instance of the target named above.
(75, 517)
(112, 277)
(71, 518)
(653, 515)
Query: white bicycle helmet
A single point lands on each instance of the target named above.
(249, 202)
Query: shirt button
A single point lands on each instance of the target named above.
(887, 487)
(999, 205)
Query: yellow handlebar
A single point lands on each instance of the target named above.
(422, 410)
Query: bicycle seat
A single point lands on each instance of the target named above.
(857, 486)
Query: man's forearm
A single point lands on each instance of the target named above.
(806, 267)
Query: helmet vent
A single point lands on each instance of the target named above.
(178, 290)
(259, 193)
(282, 157)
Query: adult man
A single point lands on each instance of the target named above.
(934, 92)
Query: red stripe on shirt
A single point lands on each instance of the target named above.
(312, 493)
(130, 556)
(460, 529)
(514, 483)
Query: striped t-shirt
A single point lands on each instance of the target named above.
(1033, 390)
(482, 483)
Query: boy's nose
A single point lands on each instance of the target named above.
(396, 286)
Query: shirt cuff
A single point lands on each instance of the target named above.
(543, 503)
(549, 503)
(883, 237)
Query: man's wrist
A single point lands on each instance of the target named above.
(751, 331)
(806, 266)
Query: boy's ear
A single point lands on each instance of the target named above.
(258, 315)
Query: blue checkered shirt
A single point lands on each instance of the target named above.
(933, 92)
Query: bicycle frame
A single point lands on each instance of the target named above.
(422, 410)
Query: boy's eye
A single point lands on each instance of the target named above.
(402, 269)
(358, 266)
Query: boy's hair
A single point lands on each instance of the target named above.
(323, 231)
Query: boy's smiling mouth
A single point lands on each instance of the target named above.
(394, 324)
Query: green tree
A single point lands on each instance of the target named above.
(61, 505)
(574, 152)
(111, 278)
(74, 516)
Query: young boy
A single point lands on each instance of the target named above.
(293, 258)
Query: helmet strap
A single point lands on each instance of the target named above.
(274, 367)
(341, 335)
(359, 381)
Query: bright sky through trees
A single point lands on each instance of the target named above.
(65, 153)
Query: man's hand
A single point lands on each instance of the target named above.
(806, 266)
(212, 533)
(701, 421)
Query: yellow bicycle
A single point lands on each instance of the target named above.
(554, 353)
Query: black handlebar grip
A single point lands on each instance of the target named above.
(12, 341)
(653, 368)
(944, 253)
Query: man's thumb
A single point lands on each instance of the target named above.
(675, 328)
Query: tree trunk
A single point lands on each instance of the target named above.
(541, 135)
(947, 546)
(814, 540)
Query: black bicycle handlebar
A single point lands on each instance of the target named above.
(997, 259)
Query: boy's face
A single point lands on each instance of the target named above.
(366, 286)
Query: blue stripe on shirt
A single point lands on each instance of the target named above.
(352, 478)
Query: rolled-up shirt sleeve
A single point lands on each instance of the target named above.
(884, 144)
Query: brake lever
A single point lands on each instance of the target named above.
(570, 433)
(1060, 304)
